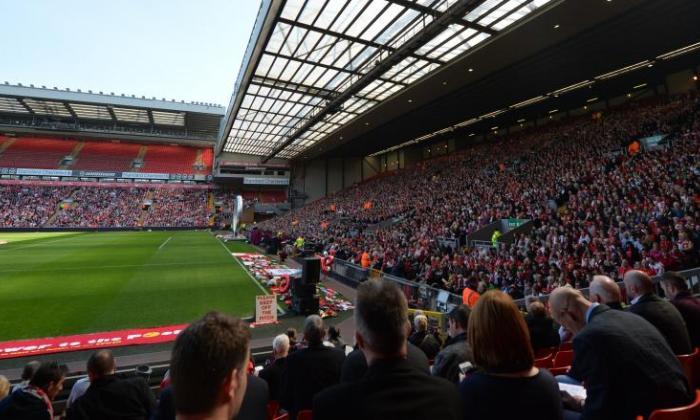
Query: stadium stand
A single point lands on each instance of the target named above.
(594, 206)
(170, 159)
(35, 152)
(96, 156)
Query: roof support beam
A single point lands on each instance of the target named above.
(436, 13)
(21, 102)
(354, 39)
(452, 14)
(70, 109)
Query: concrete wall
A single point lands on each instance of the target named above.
(353, 171)
(335, 175)
(315, 180)
(680, 82)
(370, 167)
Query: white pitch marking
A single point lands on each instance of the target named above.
(163, 244)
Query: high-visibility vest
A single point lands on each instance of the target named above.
(469, 297)
(364, 260)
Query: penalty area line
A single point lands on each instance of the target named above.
(164, 243)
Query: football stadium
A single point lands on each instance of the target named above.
(404, 209)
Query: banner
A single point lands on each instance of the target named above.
(261, 180)
(37, 182)
(104, 174)
(22, 348)
(265, 309)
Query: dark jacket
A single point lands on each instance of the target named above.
(666, 318)
(543, 333)
(254, 406)
(447, 362)
(390, 390)
(309, 371)
(628, 367)
(426, 342)
(355, 365)
(273, 376)
(689, 307)
(22, 405)
(112, 397)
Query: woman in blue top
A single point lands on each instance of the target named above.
(506, 384)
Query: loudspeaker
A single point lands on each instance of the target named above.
(305, 301)
(311, 270)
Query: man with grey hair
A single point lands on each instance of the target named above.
(626, 364)
(660, 313)
(603, 289)
(392, 388)
(272, 374)
(310, 369)
(423, 339)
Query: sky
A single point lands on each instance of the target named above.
(175, 49)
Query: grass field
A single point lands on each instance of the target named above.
(55, 284)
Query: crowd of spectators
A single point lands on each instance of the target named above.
(595, 207)
(486, 369)
(35, 206)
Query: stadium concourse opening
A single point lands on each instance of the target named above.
(517, 179)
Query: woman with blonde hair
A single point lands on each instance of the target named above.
(506, 384)
(4, 387)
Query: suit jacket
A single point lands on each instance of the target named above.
(112, 397)
(627, 365)
(391, 389)
(309, 371)
(254, 406)
(543, 333)
(273, 376)
(689, 307)
(355, 365)
(447, 361)
(666, 318)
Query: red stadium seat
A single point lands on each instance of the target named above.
(545, 362)
(688, 412)
(689, 363)
(304, 415)
(539, 354)
(696, 369)
(273, 407)
(565, 346)
(563, 358)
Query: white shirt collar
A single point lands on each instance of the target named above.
(590, 310)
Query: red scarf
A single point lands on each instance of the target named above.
(39, 393)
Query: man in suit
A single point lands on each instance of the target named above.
(603, 289)
(676, 289)
(310, 369)
(257, 395)
(660, 313)
(626, 364)
(423, 339)
(456, 350)
(272, 374)
(355, 365)
(109, 396)
(391, 388)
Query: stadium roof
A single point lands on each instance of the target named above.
(64, 105)
(312, 66)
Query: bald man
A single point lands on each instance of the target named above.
(626, 364)
(603, 289)
(659, 312)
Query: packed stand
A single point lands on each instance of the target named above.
(595, 207)
(101, 207)
(178, 208)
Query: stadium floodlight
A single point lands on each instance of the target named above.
(493, 114)
(639, 86)
(679, 51)
(622, 70)
(592, 99)
(553, 111)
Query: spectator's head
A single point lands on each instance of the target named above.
(280, 346)
(314, 331)
(673, 283)
(458, 320)
(333, 332)
(637, 283)
(29, 370)
(381, 319)
(568, 307)
(420, 323)
(537, 309)
(292, 334)
(498, 335)
(603, 289)
(100, 364)
(49, 377)
(4, 387)
(208, 367)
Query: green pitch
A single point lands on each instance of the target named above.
(54, 284)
